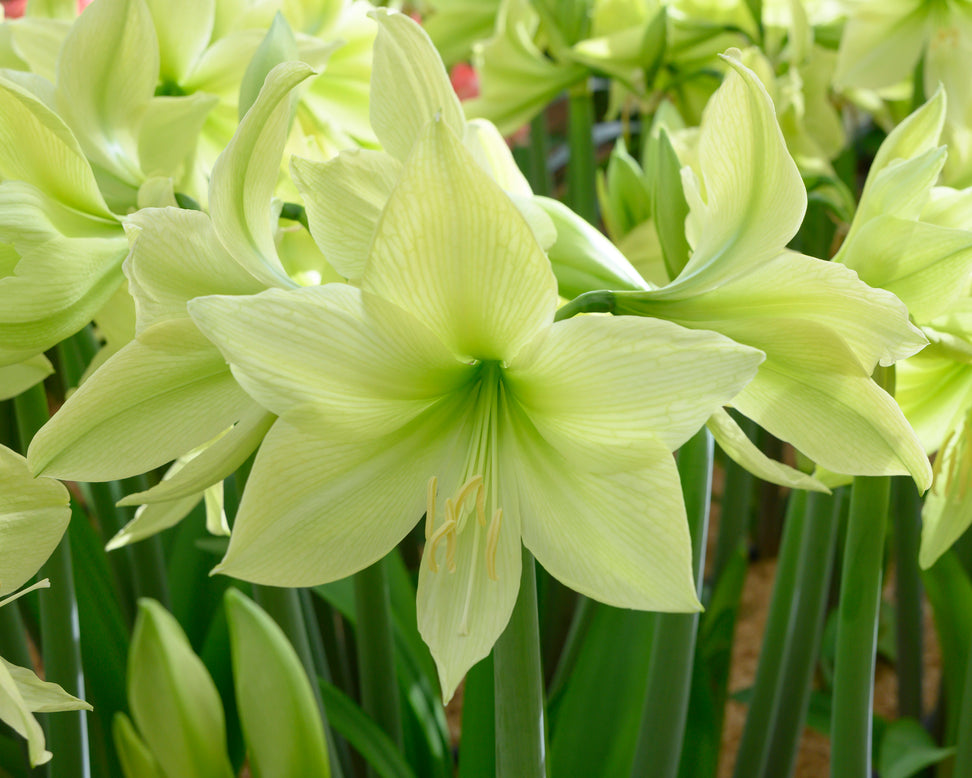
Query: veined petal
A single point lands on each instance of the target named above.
(607, 392)
(923, 264)
(933, 391)
(176, 256)
(344, 198)
(245, 176)
(15, 714)
(331, 358)
(462, 612)
(165, 393)
(881, 43)
(489, 149)
(106, 76)
(56, 289)
(825, 404)
(18, 378)
(784, 295)
(582, 258)
(744, 452)
(750, 199)
(42, 696)
(453, 250)
(216, 461)
(947, 511)
(33, 516)
(620, 538)
(317, 509)
(409, 85)
(37, 147)
(152, 519)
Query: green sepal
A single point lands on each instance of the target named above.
(669, 208)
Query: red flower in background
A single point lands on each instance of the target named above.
(465, 81)
(14, 9)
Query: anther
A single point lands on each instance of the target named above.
(473, 484)
(451, 551)
(430, 495)
(445, 529)
(492, 541)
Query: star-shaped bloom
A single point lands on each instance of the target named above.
(443, 386)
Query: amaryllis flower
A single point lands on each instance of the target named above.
(443, 386)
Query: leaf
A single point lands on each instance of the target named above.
(135, 757)
(907, 748)
(360, 730)
(281, 724)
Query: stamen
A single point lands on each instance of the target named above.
(445, 529)
(430, 495)
(492, 542)
(451, 551)
(481, 506)
(474, 483)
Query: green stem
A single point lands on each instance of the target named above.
(518, 687)
(573, 643)
(150, 575)
(963, 753)
(67, 733)
(860, 600)
(284, 607)
(376, 650)
(538, 174)
(670, 666)
(582, 166)
(784, 676)
(908, 592)
(13, 636)
(735, 510)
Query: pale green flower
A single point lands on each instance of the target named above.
(33, 516)
(168, 394)
(823, 330)
(442, 385)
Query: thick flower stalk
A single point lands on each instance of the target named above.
(443, 386)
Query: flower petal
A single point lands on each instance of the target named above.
(750, 200)
(162, 395)
(462, 613)
(34, 513)
(316, 509)
(330, 358)
(344, 198)
(15, 714)
(621, 538)
(606, 392)
(733, 441)
(452, 249)
(176, 256)
(824, 403)
(409, 85)
(245, 175)
(947, 511)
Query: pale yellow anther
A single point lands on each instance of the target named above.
(430, 495)
(492, 541)
(473, 484)
(445, 529)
